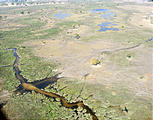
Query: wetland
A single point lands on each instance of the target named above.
(46, 61)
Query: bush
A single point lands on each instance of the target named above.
(77, 36)
(95, 61)
(22, 12)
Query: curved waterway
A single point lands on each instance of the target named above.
(38, 85)
(149, 40)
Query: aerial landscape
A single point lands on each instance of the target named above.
(76, 59)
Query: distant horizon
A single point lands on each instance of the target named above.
(30, 0)
(74, 0)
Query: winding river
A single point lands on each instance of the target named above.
(36, 86)
(40, 84)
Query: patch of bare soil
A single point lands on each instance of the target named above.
(75, 59)
(140, 16)
(74, 56)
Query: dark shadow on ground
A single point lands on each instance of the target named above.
(41, 84)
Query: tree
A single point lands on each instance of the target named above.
(22, 12)
(1, 17)
(77, 36)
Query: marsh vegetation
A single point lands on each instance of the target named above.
(72, 39)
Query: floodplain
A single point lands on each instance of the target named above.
(101, 52)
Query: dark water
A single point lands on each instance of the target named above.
(100, 10)
(108, 26)
(106, 13)
(14, 53)
(61, 15)
(149, 40)
(15, 66)
(109, 16)
(41, 84)
(38, 85)
(16, 59)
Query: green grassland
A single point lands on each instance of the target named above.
(96, 97)
(32, 67)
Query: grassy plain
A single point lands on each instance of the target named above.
(35, 30)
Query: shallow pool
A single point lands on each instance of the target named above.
(100, 10)
(149, 40)
(61, 15)
(108, 26)
(108, 15)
